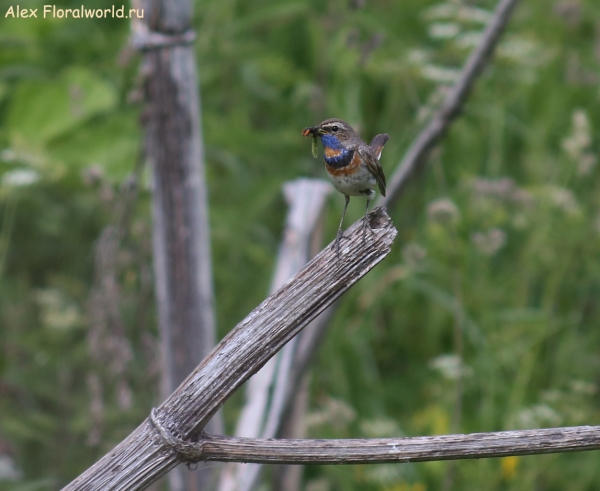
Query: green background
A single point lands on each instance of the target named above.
(490, 294)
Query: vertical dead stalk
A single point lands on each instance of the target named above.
(181, 236)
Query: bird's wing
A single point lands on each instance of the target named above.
(378, 142)
(368, 156)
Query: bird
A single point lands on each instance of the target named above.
(352, 166)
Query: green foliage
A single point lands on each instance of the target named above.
(43, 110)
(483, 317)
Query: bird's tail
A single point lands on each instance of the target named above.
(378, 142)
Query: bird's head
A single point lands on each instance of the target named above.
(334, 133)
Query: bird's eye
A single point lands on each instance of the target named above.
(334, 128)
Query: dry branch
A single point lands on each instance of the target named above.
(388, 450)
(143, 457)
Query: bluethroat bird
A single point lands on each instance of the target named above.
(352, 166)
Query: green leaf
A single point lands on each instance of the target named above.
(43, 110)
(111, 142)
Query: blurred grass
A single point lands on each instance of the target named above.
(490, 295)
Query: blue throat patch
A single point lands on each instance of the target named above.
(331, 142)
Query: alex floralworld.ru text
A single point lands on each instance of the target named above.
(16, 11)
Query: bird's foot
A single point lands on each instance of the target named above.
(366, 226)
(339, 237)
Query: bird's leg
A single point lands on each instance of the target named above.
(365, 220)
(340, 235)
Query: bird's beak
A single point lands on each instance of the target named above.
(308, 131)
(320, 131)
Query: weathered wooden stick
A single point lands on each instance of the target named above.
(387, 450)
(143, 456)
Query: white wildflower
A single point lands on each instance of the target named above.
(577, 144)
(20, 177)
(443, 30)
(450, 367)
(443, 211)
(489, 243)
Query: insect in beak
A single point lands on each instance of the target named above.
(312, 131)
